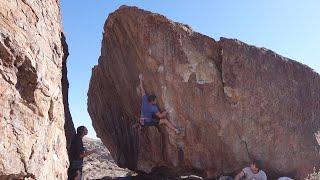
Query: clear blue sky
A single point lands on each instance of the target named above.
(290, 28)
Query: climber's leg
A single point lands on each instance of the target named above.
(151, 122)
(169, 125)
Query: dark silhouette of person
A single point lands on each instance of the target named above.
(77, 151)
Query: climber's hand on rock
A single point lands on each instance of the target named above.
(169, 110)
(141, 77)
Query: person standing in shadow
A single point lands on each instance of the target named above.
(78, 152)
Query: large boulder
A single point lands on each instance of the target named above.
(234, 102)
(32, 58)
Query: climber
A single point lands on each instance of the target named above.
(150, 114)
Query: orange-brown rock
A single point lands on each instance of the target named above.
(32, 113)
(235, 102)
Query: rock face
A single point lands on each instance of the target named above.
(32, 56)
(235, 102)
(68, 125)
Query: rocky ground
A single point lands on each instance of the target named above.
(101, 165)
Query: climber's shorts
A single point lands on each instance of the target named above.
(151, 122)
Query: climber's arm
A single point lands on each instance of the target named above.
(239, 176)
(161, 115)
(87, 153)
(143, 92)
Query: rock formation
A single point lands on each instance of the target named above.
(32, 57)
(235, 102)
(68, 125)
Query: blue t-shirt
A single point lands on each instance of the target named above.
(147, 109)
